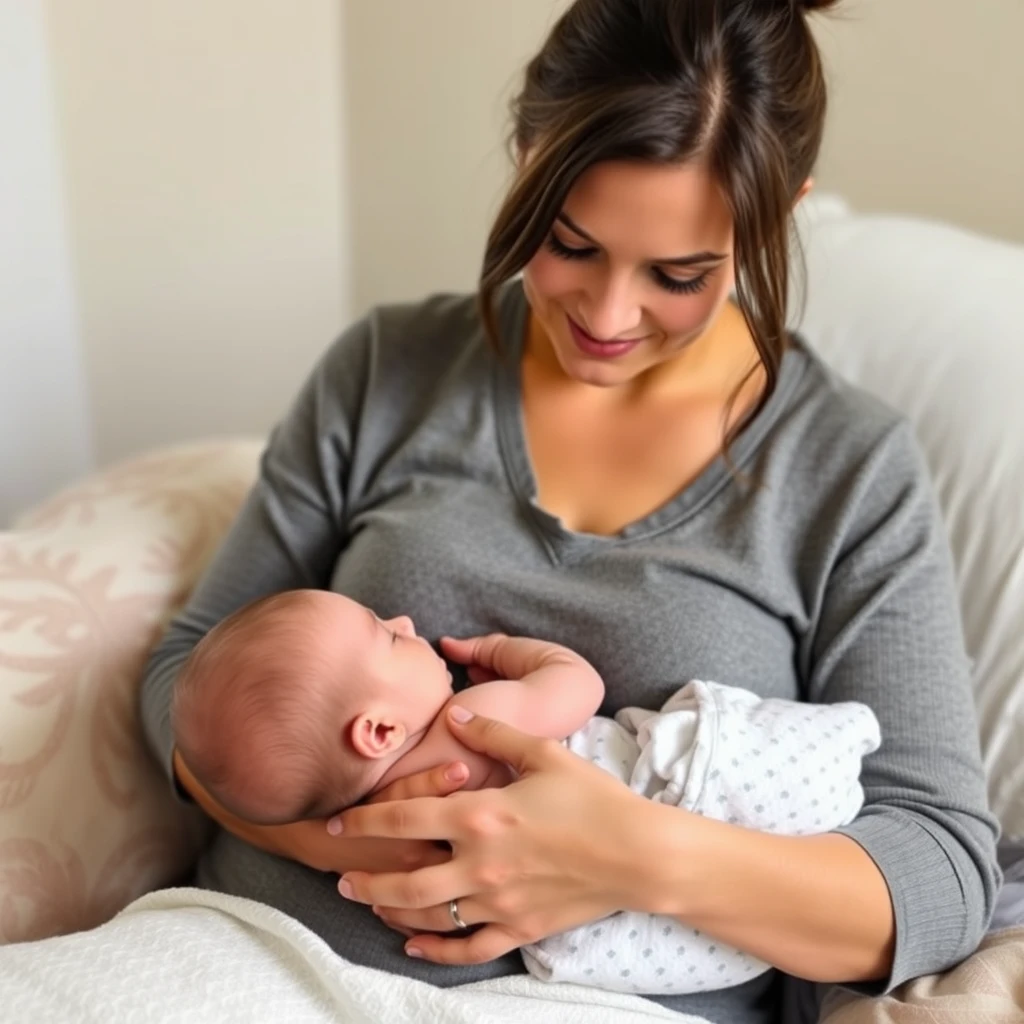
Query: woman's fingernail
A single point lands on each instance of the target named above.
(414, 952)
(335, 827)
(456, 773)
(345, 888)
(460, 714)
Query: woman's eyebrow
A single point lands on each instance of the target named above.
(675, 261)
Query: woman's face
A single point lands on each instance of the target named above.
(636, 268)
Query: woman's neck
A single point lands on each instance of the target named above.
(721, 362)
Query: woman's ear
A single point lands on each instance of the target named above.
(805, 188)
(523, 156)
(375, 734)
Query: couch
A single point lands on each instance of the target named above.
(928, 316)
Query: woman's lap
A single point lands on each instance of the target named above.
(311, 897)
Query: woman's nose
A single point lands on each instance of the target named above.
(402, 625)
(611, 309)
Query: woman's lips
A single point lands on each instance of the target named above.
(591, 346)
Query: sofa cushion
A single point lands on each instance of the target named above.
(87, 821)
(931, 318)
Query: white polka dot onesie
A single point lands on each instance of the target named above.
(774, 765)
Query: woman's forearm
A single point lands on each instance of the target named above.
(272, 838)
(816, 907)
(309, 842)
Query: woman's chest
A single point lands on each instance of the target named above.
(463, 557)
(600, 468)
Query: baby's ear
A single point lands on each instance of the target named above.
(376, 735)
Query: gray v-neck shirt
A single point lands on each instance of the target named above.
(401, 477)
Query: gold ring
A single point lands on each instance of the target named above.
(453, 913)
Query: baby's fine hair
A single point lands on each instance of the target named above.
(244, 719)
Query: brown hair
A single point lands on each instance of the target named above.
(248, 714)
(738, 83)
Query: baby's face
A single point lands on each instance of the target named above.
(388, 652)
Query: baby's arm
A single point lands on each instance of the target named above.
(542, 688)
(552, 693)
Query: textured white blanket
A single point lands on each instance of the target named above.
(187, 955)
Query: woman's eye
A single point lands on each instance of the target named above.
(675, 285)
(567, 252)
(678, 286)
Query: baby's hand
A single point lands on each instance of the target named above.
(462, 653)
(478, 674)
(498, 656)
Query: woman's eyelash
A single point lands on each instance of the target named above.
(559, 248)
(670, 284)
(680, 287)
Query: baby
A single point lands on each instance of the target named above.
(303, 703)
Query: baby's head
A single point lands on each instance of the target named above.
(295, 706)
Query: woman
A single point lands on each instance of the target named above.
(615, 454)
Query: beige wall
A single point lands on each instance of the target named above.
(45, 435)
(202, 156)
(928, 109)
(208, 195)
(927, 118)
(428, 85)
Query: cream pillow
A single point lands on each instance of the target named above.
(931, 318)
(87, 822)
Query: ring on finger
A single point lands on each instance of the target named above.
(453, 913)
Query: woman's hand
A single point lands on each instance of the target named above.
(320, 846)
(398, 854)
(310, 843)
(529, 860)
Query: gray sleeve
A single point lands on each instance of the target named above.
(889, 634)
(289, 531)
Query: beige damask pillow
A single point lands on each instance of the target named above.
(87, 822)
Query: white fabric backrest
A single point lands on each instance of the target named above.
(931, 318)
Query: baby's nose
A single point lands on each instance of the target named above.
(402, 625)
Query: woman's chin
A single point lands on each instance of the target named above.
(596, 373)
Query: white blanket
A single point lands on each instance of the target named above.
(187, 955)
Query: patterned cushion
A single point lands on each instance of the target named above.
(87, 822)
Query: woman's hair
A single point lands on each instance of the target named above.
(735, 83)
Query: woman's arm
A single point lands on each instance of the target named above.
(887, 632)
(908, 887)
(289, 534)
(814, 906)
(568, 844)
(309, 841)
(905, 890)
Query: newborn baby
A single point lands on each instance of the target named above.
(305, 702)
